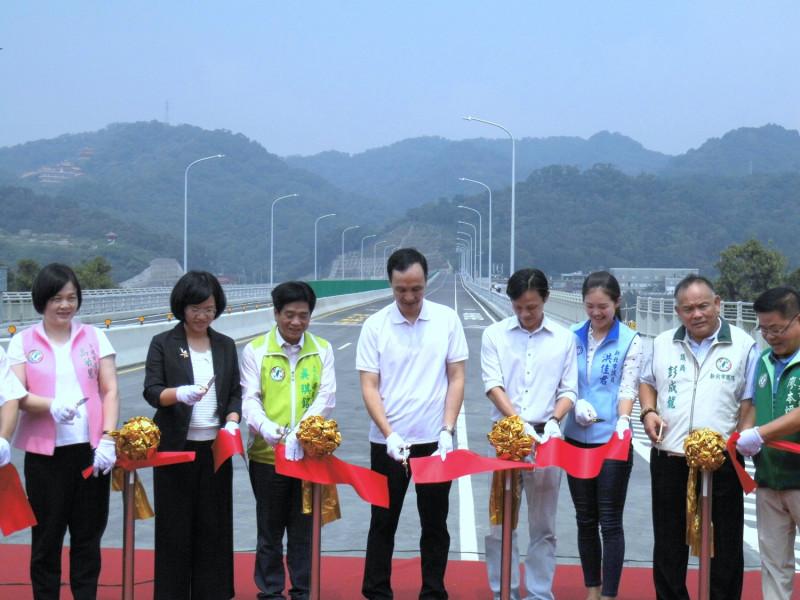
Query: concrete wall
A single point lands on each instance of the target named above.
(131, 342)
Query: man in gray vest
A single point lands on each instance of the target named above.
(699, 375)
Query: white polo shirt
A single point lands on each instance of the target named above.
(411, 360)
(535, 369)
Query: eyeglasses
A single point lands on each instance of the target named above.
(196, 312)
(774, 332)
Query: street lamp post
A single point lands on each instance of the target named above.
(385, 248)
(480, 240)
(462, 250)
(361, 261)
(186, 207)
(513, 183)
(471, 246)
(272, 233)
(475, 246)
(343, 232)
(468, 257)
(374, 258)
(488, 189)
(315, 241)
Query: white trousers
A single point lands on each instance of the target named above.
(778, 515)
(541, 488)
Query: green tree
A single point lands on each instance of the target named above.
(793, 279)
(95, 274)
(27, 270)
(748, 269)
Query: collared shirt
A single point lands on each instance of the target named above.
(251, 378)
(535, 369)
(411, 359)
(700, 350)
(780, 367)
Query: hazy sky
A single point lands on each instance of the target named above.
(307, 76)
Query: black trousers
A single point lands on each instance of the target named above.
(669, 475)
(63, 500)
(194, 528)
(433, 504)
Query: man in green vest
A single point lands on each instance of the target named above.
(287, 375)
(776, 415)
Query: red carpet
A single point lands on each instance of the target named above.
(341, 578)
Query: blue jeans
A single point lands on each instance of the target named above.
(279, 509)
(599, 504)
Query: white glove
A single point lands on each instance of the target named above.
(294, 449)
(271, 432)
(190, 394)
(63, 411)
(231, 427)
(445, 444)
(750, 442)
(396, 447)
(551, 430)
(584, 413)
(623, 425)
(5, 452)
(529, 430)
(105, 455)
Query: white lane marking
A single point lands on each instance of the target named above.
(473, 316)
(466, 504)
(345, 346)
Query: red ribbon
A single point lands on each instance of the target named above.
(369, 485)
(154, 459)
(748, 484)
(16, 513)
(225, 446)
(583, 463)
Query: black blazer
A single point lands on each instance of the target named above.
(168, 365)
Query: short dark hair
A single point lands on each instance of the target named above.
(781, 299)
(605, 281)
(194, 288)
(689, 280)
(293, 291)
(403, 258)
(527, 279)
(50, 280)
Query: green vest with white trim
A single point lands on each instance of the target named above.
(777, 469)
(286, 393)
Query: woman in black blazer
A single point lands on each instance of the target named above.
(192, 379)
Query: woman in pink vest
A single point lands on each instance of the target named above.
(70, 373)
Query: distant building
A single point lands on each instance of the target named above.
(111, 237)
(62, 172)
(568, 282)
(650, 279)
(162, 272)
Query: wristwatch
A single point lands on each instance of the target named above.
(448, 429)
(556, 419)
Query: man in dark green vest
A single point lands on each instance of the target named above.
(776, 415)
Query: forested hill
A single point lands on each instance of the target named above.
(569, 220)
(134, 173)
(605, 202)
(414, 170)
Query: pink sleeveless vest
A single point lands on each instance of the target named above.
(36, 432)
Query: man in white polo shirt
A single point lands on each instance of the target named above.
(411, 358)
(530, 369)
